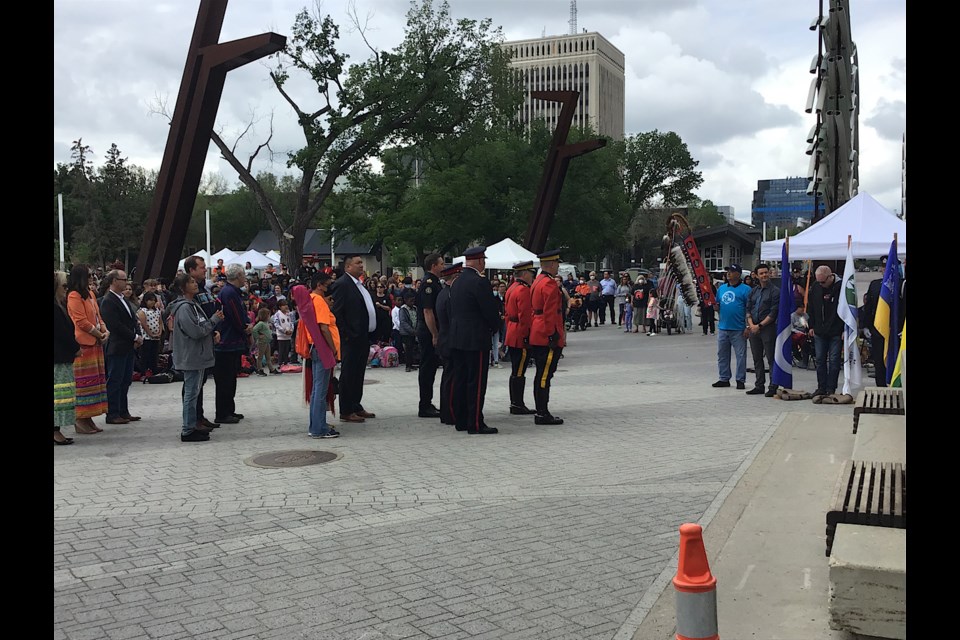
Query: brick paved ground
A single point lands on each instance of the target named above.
(416, 531)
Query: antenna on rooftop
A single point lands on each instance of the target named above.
(573, 17)
(543, 34)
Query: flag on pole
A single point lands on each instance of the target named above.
(897, 380)
(782, 374)
(847, 310)
(888, 311)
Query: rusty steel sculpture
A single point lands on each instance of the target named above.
(555, 169)
(834, 140)
(193, 118)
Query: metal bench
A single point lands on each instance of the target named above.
(878, 400)
(868, 493)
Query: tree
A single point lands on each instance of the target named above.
(659, 170)
(703, 213)
(443, 76)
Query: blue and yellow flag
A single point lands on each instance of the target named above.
(897, 379)
(782, 374)
(887, 319)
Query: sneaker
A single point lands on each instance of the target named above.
(194, 436)
(261, 373)
(755, 391)
(276, 372)
(741, 385)
(333, 431)
(325, 436)
(721, 383)
(772, 391)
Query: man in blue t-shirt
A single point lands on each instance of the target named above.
(732, 302)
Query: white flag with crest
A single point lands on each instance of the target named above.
(847, 310)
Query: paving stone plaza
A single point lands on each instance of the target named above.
(414, 530)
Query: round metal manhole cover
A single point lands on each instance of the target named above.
(284, 459)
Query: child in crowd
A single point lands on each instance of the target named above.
(653, 310)
(408, 326)
(283, 326)
(261, 337)
(150, 321)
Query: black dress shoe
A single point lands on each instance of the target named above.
(721, 383)
(194, 436)
(459, 428)
(755, 391)
(117, 421)
(206, 423)
(521, 411)
(229, 420)
(238, 416)
(741, 385)
(772, 391)
(547, 419)
(429, 413)
(132, 418)
(484, 431)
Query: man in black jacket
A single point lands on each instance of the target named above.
(475, 316)
(826, 327)
(356, 319)
(449, 275)
(876, 338)
(119, 352)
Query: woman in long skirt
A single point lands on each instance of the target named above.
(90, 332)
(65, 349)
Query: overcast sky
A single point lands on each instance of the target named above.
(730, 78)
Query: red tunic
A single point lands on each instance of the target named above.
(547, 304)
(519, 313)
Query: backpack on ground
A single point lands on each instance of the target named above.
(389, 357)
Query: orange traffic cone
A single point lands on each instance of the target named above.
(696, 588)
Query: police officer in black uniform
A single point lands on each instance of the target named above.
(449, 275)
(475, 316)
(428, 333)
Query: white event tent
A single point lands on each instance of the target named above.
(505, 254)
(256, 259)
(865, 220)
(226, 254)
(202, 253)
(273, 257)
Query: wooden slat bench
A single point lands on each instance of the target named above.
(868, 493)
(878, 400)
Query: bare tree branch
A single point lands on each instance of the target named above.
(362, 30)
(247, 178)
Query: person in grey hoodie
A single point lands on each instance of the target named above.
(192, 342)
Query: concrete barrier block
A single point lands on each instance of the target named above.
(868, 581)
(881, 438)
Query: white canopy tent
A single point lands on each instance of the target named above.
(256, 259)
(273, 257)
(505, 254)
(869, 224)
(202, 253)
(226, 254)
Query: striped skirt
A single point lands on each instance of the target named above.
(91, 379)
(64, 391)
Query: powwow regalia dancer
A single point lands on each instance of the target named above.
(682, 265)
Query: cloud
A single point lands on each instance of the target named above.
(889, 118)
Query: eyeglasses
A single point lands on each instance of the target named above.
(121, 279)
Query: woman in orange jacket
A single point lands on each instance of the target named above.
(91, 332)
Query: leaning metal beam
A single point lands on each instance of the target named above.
(555, 168)
(201, 88)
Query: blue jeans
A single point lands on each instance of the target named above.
(119, 378)
(726, 339)
(828, 361)
(192, 383)
(318, 396)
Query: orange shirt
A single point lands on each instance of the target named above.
(583, 289)
(325, 316)
(85, 314)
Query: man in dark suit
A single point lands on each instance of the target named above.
(449, 275)
(475, 316)
(356, 319)
(119, 352)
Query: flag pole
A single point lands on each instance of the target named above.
(60, 207)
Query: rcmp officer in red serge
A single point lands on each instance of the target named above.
(449, 275)
(547, 337)
(428, 334)
(519, 316)
(475, 315)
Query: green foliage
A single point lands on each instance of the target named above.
(659, 170)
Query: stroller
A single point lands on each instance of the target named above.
(803, 350)
(577, 319)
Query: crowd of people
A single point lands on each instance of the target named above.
(233, 321)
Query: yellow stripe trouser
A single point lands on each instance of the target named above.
(546, 369)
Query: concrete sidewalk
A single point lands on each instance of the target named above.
(766, 543)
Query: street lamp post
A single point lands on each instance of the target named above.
(333, 255)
